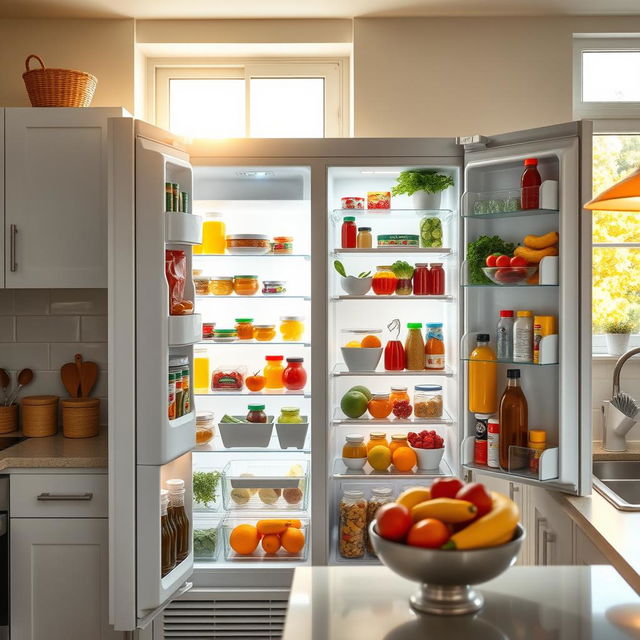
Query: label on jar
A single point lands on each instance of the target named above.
(480, 447)
(434, 361)
(493, 443)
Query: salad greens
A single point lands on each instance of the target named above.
(402, 270)
(477, 252)
(204, 486)
(339, 267)
(429, 180)
(204, 542)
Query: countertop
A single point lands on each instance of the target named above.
(57, 452)
(537, 603)
(632, 452)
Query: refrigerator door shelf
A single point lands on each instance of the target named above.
(183, 228)
(185, 330)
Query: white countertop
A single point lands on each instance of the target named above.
(524, 603)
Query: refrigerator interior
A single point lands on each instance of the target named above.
(274, 201)
(373, 312)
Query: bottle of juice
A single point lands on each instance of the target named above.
(514, 417)
(414, 347)
(214, 239)
(530, 184)
(394, 356)
(434, 346)
(200, 370)
(482, 377)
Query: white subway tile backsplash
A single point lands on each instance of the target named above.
(93, 328)
(15, 355)
(79, 301)
(62, 352)
(6, 302)
(31, 302)
(48, 328)
(7, 328)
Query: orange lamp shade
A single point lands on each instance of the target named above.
(622, 196)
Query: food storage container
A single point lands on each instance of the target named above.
(228, 378)
(352, 202)
(207, 330)
(354, 452)
(291, 328)
(292, 434)
(246, 434)
(430, 232)
(276, 485)
(8, 418)
(201, 283)
(40, 416)
(225, 335)
(248, 244)
(379, 200)
(221, 285)
(245, 285)
(206, 537)
(274, 287)
(204, 427)
(80, 417)
(264, 332)
(207, 490)
(352, 533)
(244, 328)
(427, 401)
(398, 239)
(282, 245)
(384, 281)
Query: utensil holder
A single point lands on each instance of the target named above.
(80, 417)
(8, 418)
(39, 416)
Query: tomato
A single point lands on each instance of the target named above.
(255, 382)
(491, 260)
(429, 533)
(476, 494)
(503, 261)
(393, 520)
(518, 261)
(510, 275)
(445, 487)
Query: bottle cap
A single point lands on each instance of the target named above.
(255, 407)
(364, 228)
(483, 337)
(524, 314)
(414, 325)
(349, 219)
(291, 318)
(399, 389)
(531, 162)
(433, 325)
(353, 493)
(506, 313)
(274, 358)
(295, 359)
(377, 434)
(355, 438)
(513, 373)
(398, 437)
(175, 485)
(537, 435)
(381, 491)
(244, 319)
(379, 396)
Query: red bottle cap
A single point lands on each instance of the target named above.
(506, 313)
(531, 162)
(274, 358)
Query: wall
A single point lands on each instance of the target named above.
(104, 48)
(42, 329)
(460, 76)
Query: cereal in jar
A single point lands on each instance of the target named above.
(379, 497)
(427, 401)
(352, 524)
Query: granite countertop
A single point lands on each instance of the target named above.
(57, 452)
(552, 603)
(632, 452)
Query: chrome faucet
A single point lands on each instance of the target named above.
(618, 368)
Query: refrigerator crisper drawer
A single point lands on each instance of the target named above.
(298, 553)
(252, 485)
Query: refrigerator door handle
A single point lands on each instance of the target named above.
(144, 622)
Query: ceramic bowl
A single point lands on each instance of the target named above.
(354, 464)
(429, 458)
(353, 286)
(361, 358)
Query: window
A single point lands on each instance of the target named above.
(266, 99)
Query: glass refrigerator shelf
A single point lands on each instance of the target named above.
(340, 471)
(340, 370)
(373, 296)
(381, 214)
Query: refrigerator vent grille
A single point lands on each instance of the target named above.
(222, 619)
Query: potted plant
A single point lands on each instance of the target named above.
(425, 186)
(353, 285)
(617, 334)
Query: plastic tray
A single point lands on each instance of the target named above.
(246, 434)
(292, 434)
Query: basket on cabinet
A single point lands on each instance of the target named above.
(80, 417)
(39, 416)
(58, 87)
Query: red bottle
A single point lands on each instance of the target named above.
(436, 277)
(294, 376)
(530, 185)
(421, 280)
(394, 359)
(349, 232)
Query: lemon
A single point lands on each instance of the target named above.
(354, 344)
(379, 457)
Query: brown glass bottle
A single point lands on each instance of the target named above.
(168, 537)
(179, 518)
(514, 414)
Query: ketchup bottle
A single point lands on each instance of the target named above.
(530, 185)
(349, 232)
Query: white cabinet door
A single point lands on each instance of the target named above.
(56, 197)
(585, 552)
(551, 529)
(60, 579)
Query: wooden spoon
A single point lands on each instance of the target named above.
(24, 378)
(88, 377)
(5, 381)
(70, 378)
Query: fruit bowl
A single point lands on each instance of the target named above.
(428, 459)
(505, 276)
(361, 358)
(445, 576)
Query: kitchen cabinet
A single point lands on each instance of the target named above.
(585, 552)
(55, 200)
(550, 528)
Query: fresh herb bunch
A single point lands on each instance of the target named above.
(402, 270)
(618, 326)
(339, 267)
(477, 252)
(204, 486)
(204, 542)
(429, 180)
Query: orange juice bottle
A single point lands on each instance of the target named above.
(214, 239)
(483, 377)
(200, 370)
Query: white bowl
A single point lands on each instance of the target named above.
(354, 464)
(355, 286)
(429, 458)
(361, 358)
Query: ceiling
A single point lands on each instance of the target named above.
(149, 9)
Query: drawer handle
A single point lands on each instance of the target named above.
(50, 497)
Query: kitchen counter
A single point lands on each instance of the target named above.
(57, 452)
(632, 452)
(538, 603)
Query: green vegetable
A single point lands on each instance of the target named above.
(339, 267)
(204, 486)
(430, 232)
(226, 419)
(402, 269)
(477, 252)
(428, 180)
(204, 542)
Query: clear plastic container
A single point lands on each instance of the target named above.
(352, 533)
(427, 401)
(205, 428)
(206, 538)
(207, 490)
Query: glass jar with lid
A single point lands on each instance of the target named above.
(397, 440)
(354, 451)
(264, 332)
(290, 415)
(427, 401)
(399, 394)
(221, 285)
(352, 534)
(255, 413)
(379, 497)
(273, 371)
(201, 284)
(377, 438)
(224, 335)
(364, 239)
(213, 234)
(294, 377)
(204, 427)
(384, 281)
(291, 328)
(244, 328)
(245, 285)
(380, 406)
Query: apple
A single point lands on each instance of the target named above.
(445, 488)
(503, 261)
(393, 521)
(476, 494)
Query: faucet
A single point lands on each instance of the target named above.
(616, 424)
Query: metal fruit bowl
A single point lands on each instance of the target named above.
(505, 276)
(446, 575)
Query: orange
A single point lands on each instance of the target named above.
(244, 539)
(353, 344)
(404, 459)
(292, 540)
(429, 533)
(271, 543)
(371, 342)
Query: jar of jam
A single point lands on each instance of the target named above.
(290, 415)
(264, 332)
(384, 281)
(273, 371)
(398, 440)
(379, 406)
(377, 438)
(256, 413)
(244, 328)
(245, 285)
(421, 280)
(436, 277)
(399, 394)
(364, 239)
(207, 330)
(354, 453)
(294, 376)
(349, 232)
(292, 328)
(221, 285)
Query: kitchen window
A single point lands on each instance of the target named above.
(266, 99)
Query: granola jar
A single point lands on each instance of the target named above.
(379, 497)
(427, 401)
(353, 524)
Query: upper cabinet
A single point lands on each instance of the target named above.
(55, 200)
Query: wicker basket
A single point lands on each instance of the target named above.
(58, 87)
(39, 416)
(80, 417)
(8, 418)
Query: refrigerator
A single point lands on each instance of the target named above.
(294, 188)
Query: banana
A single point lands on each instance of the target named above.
(447, 510)
(413, 496)
(494, 528)
(542, 242)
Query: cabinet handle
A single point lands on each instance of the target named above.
(540, 522)
(13, 230)
(513, 489)
(547, 538)
(51, 497)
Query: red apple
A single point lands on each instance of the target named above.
(476, 494)
(393, 521)
(445, 487)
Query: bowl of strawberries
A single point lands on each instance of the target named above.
(428, 447)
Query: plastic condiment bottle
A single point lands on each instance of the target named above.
(414, 347)
(523, 337)
(530, 185)
(542, 326)
(537, 443)
(273, 371)
(483, 384)
(434, 346)
(513, 417)
(349, 232)
(504, 335)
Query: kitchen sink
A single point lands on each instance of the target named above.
(619, 482)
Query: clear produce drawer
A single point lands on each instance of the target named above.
(251, 485)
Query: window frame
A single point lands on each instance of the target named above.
(333, 71)
(600, 110)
